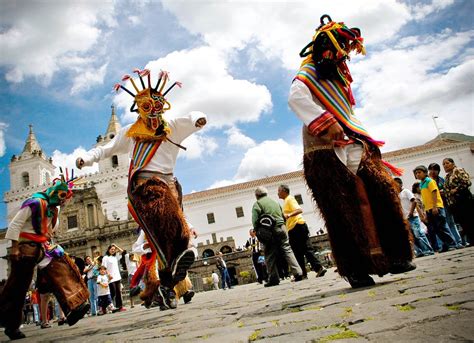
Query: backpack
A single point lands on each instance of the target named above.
(265, 227)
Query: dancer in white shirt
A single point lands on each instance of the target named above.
(153, 192)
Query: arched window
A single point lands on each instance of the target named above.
(25, 178)
(91, 215)
(207, 253)
(226, 249)
(115, 161)
(46, 178)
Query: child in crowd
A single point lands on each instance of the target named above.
(215, 279)
(263, 266)
(103, 291)
(435, 214)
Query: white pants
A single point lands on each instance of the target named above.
(350, 155)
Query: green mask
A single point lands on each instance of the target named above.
(57, 192)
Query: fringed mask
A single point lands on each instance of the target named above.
(331, 46)
(61, 190)
(151, 104)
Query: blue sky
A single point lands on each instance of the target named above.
(236, 60)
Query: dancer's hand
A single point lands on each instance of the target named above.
(201, 122)
(14, 251)
(79, 162)
(334, 133)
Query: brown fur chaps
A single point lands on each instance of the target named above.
(161, 213)
(336, 191)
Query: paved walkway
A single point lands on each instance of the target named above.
(434, 303)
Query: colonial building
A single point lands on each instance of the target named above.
(98, 216)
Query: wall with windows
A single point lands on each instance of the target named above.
(229, 213)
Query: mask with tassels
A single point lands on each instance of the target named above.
(61, 190)
(330, 48)
(151, 104)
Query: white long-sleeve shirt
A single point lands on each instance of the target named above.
(22, 223)
(165, 157)
(137, 247)
(132, 266)
(305, 105)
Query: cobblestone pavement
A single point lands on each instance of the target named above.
(434, 303)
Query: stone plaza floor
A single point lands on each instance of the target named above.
(434, 303)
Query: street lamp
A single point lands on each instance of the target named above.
(434, 117)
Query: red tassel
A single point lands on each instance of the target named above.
(377, 143)
(396, 171)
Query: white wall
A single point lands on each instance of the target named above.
(227, 224)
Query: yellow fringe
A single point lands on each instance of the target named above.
(140, 131)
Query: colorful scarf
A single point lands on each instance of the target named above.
(334, 97)
(39, 219)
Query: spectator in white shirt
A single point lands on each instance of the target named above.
(409, 205)
(110, 261)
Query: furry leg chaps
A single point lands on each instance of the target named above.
(160, 211)
(352, 207)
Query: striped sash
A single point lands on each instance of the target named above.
(334, 98)
(39, 219)
(143, 152)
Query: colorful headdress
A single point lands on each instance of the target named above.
(330, 48)
(334, 37)
(151, 104)
(61, 188)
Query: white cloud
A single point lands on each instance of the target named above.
(407, 86)
(238, 139)
(223, 183)
(207, 87)
(269, 158)
(89, 78)
(3, 147)
(198, 145)
(280, 29)
(421, 10)
(266, 159)
(43, 37)
(64, 160)
(134, 20)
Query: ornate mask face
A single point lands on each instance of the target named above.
(151, 106)
(333, 41)
(150, 103)
(58, 193)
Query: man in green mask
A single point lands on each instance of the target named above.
(31, 232)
